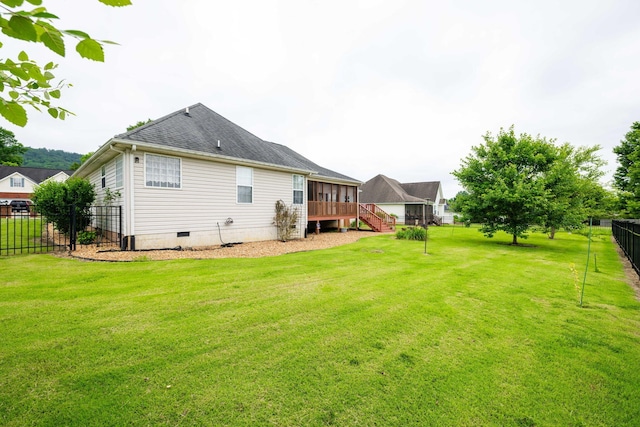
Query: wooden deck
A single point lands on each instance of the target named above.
(319, 211)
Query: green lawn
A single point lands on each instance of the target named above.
(21, 235)
(475, 333)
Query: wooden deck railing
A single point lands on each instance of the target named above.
(332, 209)
(376, 218)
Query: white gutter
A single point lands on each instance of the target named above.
(218, 157)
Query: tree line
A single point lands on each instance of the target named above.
(512, 182)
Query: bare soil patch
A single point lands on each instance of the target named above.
(244, 250)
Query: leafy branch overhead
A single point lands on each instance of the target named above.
(23, 82)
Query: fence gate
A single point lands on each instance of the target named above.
(23, 230)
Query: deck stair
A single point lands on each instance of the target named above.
(376, 218)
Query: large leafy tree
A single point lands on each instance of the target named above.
(11, 150)
(24, 82)
(572, 183)
(505, 179)
(626, 179)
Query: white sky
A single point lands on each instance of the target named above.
(402, 88)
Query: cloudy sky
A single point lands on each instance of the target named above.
(402, 88)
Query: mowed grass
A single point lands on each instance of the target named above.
(21, 235)
(475, 333)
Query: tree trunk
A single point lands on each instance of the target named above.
(552, 233)
(515, 240)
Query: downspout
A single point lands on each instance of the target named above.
(129, 196)
(358, 190)
(131, 210)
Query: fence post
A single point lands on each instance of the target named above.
(72, 228)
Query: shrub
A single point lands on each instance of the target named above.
(285, 220)
(54, 200)
(412, 233)
(86, 237)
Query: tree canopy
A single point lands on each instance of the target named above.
(138, 124)
(23, 81)
(11, 150)
(626, 179)
(49, 158)
(512, 182)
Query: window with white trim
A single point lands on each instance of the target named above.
(162, 171)
(298, 189)
(103, 176)
(244, 183)
(119, 172)
(17, 182)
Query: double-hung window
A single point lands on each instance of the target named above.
(16, 182)
(298, 189)
(162, 171)
(244, 182)
(103, 177)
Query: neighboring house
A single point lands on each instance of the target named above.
(193, 178)
(410, 202)
(18, 183)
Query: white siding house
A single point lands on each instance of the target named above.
(18, 183)
(194, 179)
(410, 202)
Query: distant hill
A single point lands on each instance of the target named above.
(50, 159)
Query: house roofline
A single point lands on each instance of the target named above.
(183, 152)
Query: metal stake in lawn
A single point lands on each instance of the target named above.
(426, 232)
(587, 266)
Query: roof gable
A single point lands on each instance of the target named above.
(382, 189)
(198, 128)
(37, 175)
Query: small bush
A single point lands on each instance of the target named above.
(86, 237)
(412, 233)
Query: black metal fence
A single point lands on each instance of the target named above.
(23, 230)
(627, 234)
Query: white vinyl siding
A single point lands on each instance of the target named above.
(244, 181)
(208, 198)
(298, 189)
(119, 172)
(163, 171)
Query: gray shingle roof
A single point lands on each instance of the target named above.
(382, 189)
(200, 129)
(35, 174)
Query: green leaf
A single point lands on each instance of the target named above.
(55, 93)
(51, 37)
(44, 15)
(77, 33)
(22, 56)
(14, 95)
(116, 3)
(19, 72)
(23, 28)
(35, 2)
(14, 112)
(50, 66)
(90, 49)
(53, 112)
(12, 3)
(62, 114)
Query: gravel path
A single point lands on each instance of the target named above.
(244, 250)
